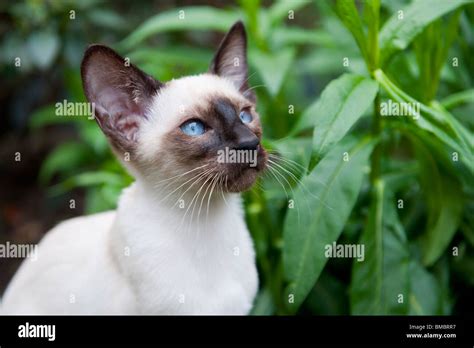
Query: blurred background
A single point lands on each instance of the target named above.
(295, 49)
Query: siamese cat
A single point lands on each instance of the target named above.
(178, 242)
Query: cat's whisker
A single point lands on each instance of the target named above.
(310, 193)
(253, 87)
(300, 183)
(156, 185)
(298, 168)
(293, 192)
(246, 80)
(204, 194)
(295, 165)
(272, 171)
(194, 202)
(192, 184)
(177, 188)
(190, 203)
(202, 200)
(197, 179)
(291, 187)
(289, 162)
(293, 176)
(222, 189)
(284, 178)
(259, 185)
(215, 180)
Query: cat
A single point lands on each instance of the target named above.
(178, 242)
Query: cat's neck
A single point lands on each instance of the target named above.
(145, 224)
(210, 255)
(157, 212)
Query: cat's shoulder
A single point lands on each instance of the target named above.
(80, 226)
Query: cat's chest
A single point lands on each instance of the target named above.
(218, 281)
(210, 272)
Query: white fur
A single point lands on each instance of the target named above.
(145, 258)
(136, 261)
(174, 103)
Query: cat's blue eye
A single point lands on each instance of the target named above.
(246, 117)
(193, 128)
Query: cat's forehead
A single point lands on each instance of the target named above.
(181, 97)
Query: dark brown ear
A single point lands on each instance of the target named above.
(230, 60)
(120, 93)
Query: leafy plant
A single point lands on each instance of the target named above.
(340, 171)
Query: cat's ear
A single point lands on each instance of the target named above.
(230, 60)
(120, 93)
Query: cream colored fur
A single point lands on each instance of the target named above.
(145, 258)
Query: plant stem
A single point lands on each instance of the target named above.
(376, 130)
(373, 35)
(458, 99)
(373, 13)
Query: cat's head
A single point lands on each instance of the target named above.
(203, 127)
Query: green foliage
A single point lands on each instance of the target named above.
(400, 30)
(323, 202)
(399, 186)
(353, 95)
(192, 18)
(383, 275)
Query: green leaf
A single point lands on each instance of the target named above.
(459, 98)
(63, 159)
(443, 154)
(96, 178)
(425, 294)
(282, 36)
(442, 227)
(45, 116)
(273, 67)
(90, 179)
(382, 276)
(91, 134)
(328, 297)
(111, 193)
(463, 265)
(294, 149)
(323, 202)
(254, 19)
(280, 9)
(347, 12)
(176, 55)
(326, 62)
(43, 47)
(431, 48)
(107, 19)
(95, 202)
(443, 219)
(341, 104)
(291, 156)
(73, 81)
(398, 33)
(195, 18)
(351, 94)
(263, 304)
(372, 18)
(441, 124)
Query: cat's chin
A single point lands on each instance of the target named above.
(244, 181)
(247, 177)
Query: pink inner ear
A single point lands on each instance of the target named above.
(116, 101)
(121, 93)
(129, 125)
(123, 113)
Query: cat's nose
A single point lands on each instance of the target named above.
(250, 142)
